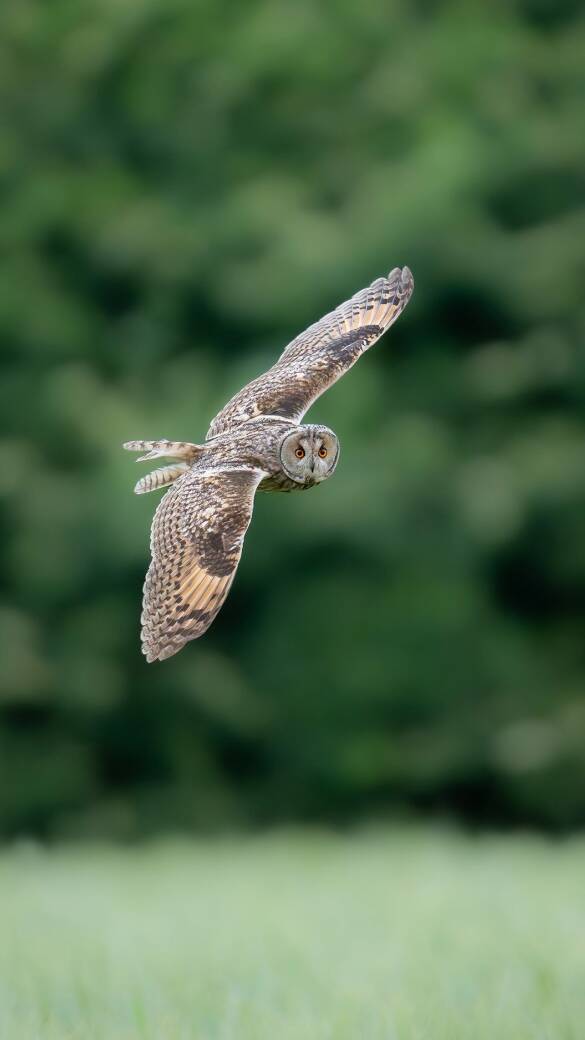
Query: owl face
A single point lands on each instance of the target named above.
(309, 454)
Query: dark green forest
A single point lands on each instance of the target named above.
(185, 187)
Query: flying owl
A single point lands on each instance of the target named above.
(257, 442)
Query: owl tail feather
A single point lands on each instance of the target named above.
(165, 449)
(182, 450)
(160, 478)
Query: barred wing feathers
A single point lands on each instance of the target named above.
(320, 356)
(196, 543)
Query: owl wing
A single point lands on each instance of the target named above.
(196, 543)
(319, 356)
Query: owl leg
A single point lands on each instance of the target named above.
(165, 449)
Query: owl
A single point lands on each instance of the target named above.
(257, 442)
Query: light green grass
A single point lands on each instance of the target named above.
(400, 936)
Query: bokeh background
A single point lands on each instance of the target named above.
(184, 188)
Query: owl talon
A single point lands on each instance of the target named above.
(165, 449)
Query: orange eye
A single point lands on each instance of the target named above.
(322, 453)
(300, 453)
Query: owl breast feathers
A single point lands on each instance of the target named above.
(256, 442)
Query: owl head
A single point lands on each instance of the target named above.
(309, 454)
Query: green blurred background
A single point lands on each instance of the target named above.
(184, 188)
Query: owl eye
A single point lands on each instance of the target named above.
(322, 453)
(300, 453)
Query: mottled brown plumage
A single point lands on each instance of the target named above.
(256, 442)
(320, 355)
(196, 544)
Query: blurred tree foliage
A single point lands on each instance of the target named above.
(186, 186)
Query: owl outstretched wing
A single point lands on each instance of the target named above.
(321, 355)
(196, 543)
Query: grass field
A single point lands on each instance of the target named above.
(401, 935)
